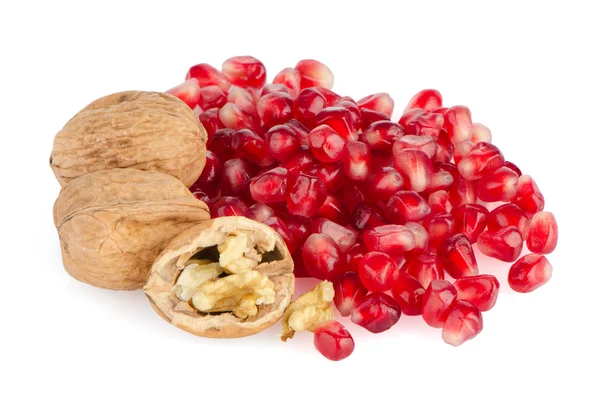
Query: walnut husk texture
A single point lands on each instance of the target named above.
(131, 129)
(170, 263)
(112, 224)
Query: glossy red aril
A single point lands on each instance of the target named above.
(440, 180)
(471, 220)
(210, 174)
(356, 160)
(220, 145)
(504, 244)
(480, 133)
(326, 144)
(378, 312)
(528, 196)
(299, 227)
(274, 108)
(354, 256)
(331, 98)
(306, 195)
(261, 212)
(211, 97)
(439, 202)
(463, 192)
(457, 256)
(340, 119)
(235, 177)
(380, 102)
(212, 123)
(378, 271)
(543, 233)
(314, 74)
(381, 135)
(281, 228)
(480, 291)
(415, 167)
(188, 92)
(233, 117)
(349, 292)
(482, 160)
(251, 147)
(421, 237)
(427, 100)
(392, 239)
(464, 322)
(367, 217)
(439, 227)
(445, 148)
(281, 142)
(245, 71)
(271, 88)
(334, 210)
(352, 196)
(243, 99)
(426, 124)
(513, 167)
(322, 257)
(300, 130)
(461, 149)
(529, 273)
(332, 175)
(408, 293)
(425, 268)
(300, 161)
(424, 143)
(409, 116)
(270, 186)
(332, 340)
(306, 106)
(437, 302)
(355, 114)
(344, 237)
(458, 124)
(384, 184)
(500, 185)
(369, 117)
(406, 206)
(208, 75)
(290, 78)
(508, 215)
(229, 206)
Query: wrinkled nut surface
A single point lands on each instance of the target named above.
(254, 286)
(113, 224)
(131, 129)
(308, 310)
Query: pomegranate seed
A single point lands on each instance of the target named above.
(543, 233)
(445, 149)
(299, 268)
(300, 129)
(380, 102)
(528, 197)
(356, 160)
(408, 293)
(334, 210)
(415, 167)
(367, 217)
(233, 117)
(212, 123)
(439, 202)
(211, 97)
(188, 92)
(370, 117)
(508, 215)
(378, 312)
(281, 228)
(322, 257)
(409, 116)
(243, 99)
(229, 206)
(441, 111)
(423, 143)
(331, 98)
(471, 220)
(439, 227)
(340, 119)
(301, 161)
(281, 142)
(245, 71)
(261, 212)
(343, 236)
(378, 271)
(481, 291)
(380, 159)
(421, 237)
(393, 239)
(461, 149)
(201, 195)
(457, 256)
(274, 108)
(480, 133)
(426, 124)
(529, 273)
(437, 302)
(349, 292)
(482, 160)
(458, 124)
(210, 174)
(332, 340)
(208, 75)
(427, 100)
(463, 192)
(354, 256)
(306, 195)
(384, 184)
(251, 147)
(306, 106)
(299, 227)
(271, 88)
(290, 78)
(440, 180)
(270, 186)
(505, 244)
(513, 167)
(500, 185)
(326, 145)
(382, 134)
(221, 142)
(352, 196)
(314, 74)
(235, 178)
(355, 114)
(464, 322)
(425, 268)
(405, 206)
(331, 174)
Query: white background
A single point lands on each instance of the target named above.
(528, 71)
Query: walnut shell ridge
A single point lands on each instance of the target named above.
(171, 262)
(112, 224)
(131, 129)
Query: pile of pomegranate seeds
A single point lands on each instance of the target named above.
(387, 210)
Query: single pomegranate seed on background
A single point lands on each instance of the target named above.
(427, 100)
(392, 239)
(480, 133)
(464, 322)
(461, 149)
(281, 228)
(378, 312)
(290, 78)
(406, 206)
(425, 268)
(340, 119)
(245, 71)
(528, 196)
(233, 117)
(383, 184)
(481, 291)
(322, 257)
(343, 236)
(408, 293)
(356, 160)
(261, 212)
(439, 202)
(332, 340)
(251, 147)
(381, 135)
(281, 142)
(424, 143)
(243, 99)
(543, 233)
(380, 102)
(513, 167)
(220, 145)
(334, 210)
(270, 186)
(299, 227)
(457, 256)
(306, 106)
(378, 271)
(188, 92)
(445, 149)
(482, 160)
(508, 215)
(274, 109)
(211, 97)
(471, 220)
(421, 237)
(500, 185)
(458, 124)
(210, 174)
(235, 177)
(529, 273)
(354, 256)
(208, 75)
(367, 217)
(415, 167)
(439, 227)
(212, 123)
(271, 88)
(349, 292)
(314, 74)
(326, 144)
(409, 116)
(504, 244)
(426, 124)
(332, 175)
(437, 302)
(229, 206)
(306, 195)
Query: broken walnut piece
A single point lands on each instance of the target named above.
(195, 273)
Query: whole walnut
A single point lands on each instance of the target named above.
(113, 224)
(132, 129)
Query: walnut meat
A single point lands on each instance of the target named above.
(132, 129)
(113, 224)
(254, 286)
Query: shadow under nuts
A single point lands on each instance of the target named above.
(113, 224)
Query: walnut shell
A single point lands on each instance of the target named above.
(113, 224)
(171, 262)
(131, 129)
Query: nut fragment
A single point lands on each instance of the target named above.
(308, 310)
(196, 272)
(233, 254)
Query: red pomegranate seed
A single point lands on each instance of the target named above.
(425, 268)
(356, 160)
(384, 184)
(245, 71)
(334, 210)
(332, 175)
(381, 159)
(306, 106)
(352, 196)
(306, 195)
(281, 142)
(274, 108)
(457, 256)
(343, 236)
(440, 180)
(463, 192)
(408, 293)
(482, 160)
(409, 116)
(392, 239)
(505, 244)
(378, 271)
(367, 217)
(270, 186)
(326, 144)
(354, 256)
(243, 99)
(340, 119)
(439, 227)
(281, 228)
(211, 122)
(441, 111)
(229, 206)
(480, 291)
(480, 133)
(349, 292)
(210, 174)
(500, 185)
(271, 88)
(220, 145)
(202, 196)
(513, 167)
(461, 149)
(355, 113)
(427, 100)
(300, 129)
(426, 124)
(508, 215)
(439, 202)
(332, 340)
(405, 206)
(445, 149)
(233, 117)
(380, 102)
(235, 177)
(378, 312)
(529, 273)
(528, 196)
(471, 220)
(370, 117)
(314, 74)
(290, 78)
(299, 268)
(421, 237)
(301, 161)
(299, 227)
(211, 97)
(382, 134)
(458, 124)
(261, 212)
(437, 302)
(423, 143)
(208, 75)
(415, 167)
(251, 147)
(543, 233)
(331, 98)
(464, 322)
(188, 92)
(322, 257)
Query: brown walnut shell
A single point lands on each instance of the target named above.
(131, 129)
(279, 267)
(113, 224)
